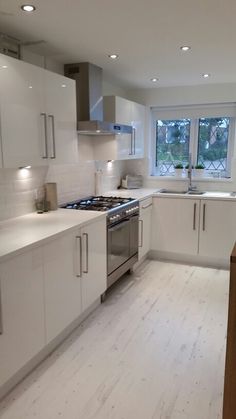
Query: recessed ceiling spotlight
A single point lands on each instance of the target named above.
(30, 87)
(154, 79)
(113, 56)
(28, 8)
(4, 66)
(63, 85)
(205, 75)
(185, 48)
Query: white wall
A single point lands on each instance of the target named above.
(185, 95)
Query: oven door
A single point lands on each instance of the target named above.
(122, 242)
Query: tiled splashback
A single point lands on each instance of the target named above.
(17, 187)
(17, 190)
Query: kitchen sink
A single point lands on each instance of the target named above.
(171, 191)
(195, 193)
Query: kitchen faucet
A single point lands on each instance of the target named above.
(190, 169)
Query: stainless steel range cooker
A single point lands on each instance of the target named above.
(122, 231)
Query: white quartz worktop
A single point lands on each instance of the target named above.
(21, 233)
(141, 193)
(226, 196)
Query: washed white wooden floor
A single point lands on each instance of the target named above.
(154, 350)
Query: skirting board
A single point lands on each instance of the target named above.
(45, 352)
(190, 259)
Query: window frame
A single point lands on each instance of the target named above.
(202, 111)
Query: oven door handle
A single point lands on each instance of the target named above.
(118, 226)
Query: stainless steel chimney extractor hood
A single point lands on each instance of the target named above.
(89, 101)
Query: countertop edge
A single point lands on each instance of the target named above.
(48, 238)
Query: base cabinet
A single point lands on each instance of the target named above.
(175, 225)
(62, 284)
(22, 312)
(44, 290)
(196, 227)
(94, 265)
(145, 217)
(217, 228)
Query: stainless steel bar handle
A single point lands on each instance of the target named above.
(194, 215)
(79, 271)
(87, 267)
(53, 156)
(146, 206)
(204, 218)
(134, 141)
(131, 144)
(1, 323)
(141, 222)
(45, 155)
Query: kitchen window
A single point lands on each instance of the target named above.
(206, 132)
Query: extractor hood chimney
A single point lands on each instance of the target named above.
(89, 101)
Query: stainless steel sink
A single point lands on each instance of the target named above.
(195, 193)
(171, 191)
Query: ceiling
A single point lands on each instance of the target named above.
(147, 35)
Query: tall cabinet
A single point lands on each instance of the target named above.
(37, 114)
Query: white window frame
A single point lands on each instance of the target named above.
(194, 113)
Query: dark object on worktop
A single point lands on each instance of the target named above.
(229, 408)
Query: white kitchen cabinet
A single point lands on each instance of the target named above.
(21, 106)
(60, 109)
(175, 225)
(123, 111)
(217, 229)
(22, 311)
(75, 275)
(94, 262)
(38, 115)
(145, 218)
(62, 282)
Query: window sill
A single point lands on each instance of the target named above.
(194, 179)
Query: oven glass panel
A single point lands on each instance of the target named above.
(133, 235)
(118, 245)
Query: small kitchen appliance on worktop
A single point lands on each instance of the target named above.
(122, 231)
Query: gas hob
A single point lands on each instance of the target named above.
(117, 208)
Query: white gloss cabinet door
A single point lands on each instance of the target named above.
(138, 123)
(94, 262)
(23, 121)
(123, 111)
(22, 308)
(217, 228)
(60, 107)
(175, 225)
(145, 218)
(62, 260)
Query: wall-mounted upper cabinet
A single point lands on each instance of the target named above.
(124, 146)
(38, 115)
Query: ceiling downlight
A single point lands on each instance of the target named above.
(113, 56)
(28, 8)
(185, 48)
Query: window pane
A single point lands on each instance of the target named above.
(213, 138)
(172, 144)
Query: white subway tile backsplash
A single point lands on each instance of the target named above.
(74, 181)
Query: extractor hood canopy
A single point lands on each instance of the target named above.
(89, 101)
